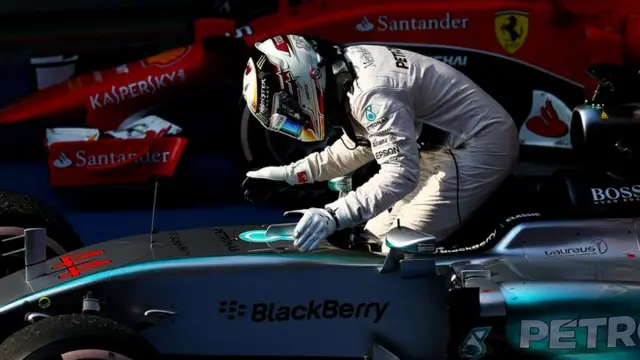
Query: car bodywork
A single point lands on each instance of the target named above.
(544, 289)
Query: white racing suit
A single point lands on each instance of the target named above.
(395, 92)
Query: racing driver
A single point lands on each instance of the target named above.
(389, 102)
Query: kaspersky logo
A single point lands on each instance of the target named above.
(473, 346)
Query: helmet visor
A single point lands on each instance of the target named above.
(289, 119)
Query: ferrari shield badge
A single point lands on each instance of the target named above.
(511, 28)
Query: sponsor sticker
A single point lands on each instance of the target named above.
(314, 310)
(174, 237)
(400, 58)
(84, 158)
(227, 241)
(384, 23)
(144, 87)
(586, 333)
(302, 177)
(366, 56)
(369, 114)
(522, 216)
(473, 346)
(384, 153)
(452, 60)
(375, 143)
(377, 122)
(101, 162)
(615, 195)
(548, 122)
(596, 247)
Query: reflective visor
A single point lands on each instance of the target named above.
(289, 119)
(287, 116)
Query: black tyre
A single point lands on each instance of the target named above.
(21, 211)
(77, 337)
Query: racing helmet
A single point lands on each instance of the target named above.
(284, 87)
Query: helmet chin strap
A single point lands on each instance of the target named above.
(343, 75)
(339, 84)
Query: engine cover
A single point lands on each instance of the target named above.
(606, 137)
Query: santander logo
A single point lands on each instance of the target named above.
(84, 159)
(364, 25)
(548, 122)
(62, 161)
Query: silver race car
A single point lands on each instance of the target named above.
(547, 268)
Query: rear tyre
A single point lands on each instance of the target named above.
(21, 211)
(77, 337)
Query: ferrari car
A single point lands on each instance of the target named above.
(546, 268)
(504, 47)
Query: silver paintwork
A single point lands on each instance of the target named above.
(35, 252)
(401, 237)
(199, 291)
(220, 268)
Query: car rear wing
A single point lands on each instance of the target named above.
(34, 247)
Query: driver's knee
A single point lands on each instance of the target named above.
(380, 225)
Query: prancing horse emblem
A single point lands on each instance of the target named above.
(511, 29)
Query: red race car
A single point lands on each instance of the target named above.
(530, 55)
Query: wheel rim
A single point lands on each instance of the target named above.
(93, 354)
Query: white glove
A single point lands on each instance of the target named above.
(315, 226)
(275, 173)
(293, 174)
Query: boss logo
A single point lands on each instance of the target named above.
(615, 195)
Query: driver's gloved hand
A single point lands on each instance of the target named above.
(293, 174)
(273, 173)
(262, 184)
(315, 226)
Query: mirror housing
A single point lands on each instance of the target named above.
(410, 241)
